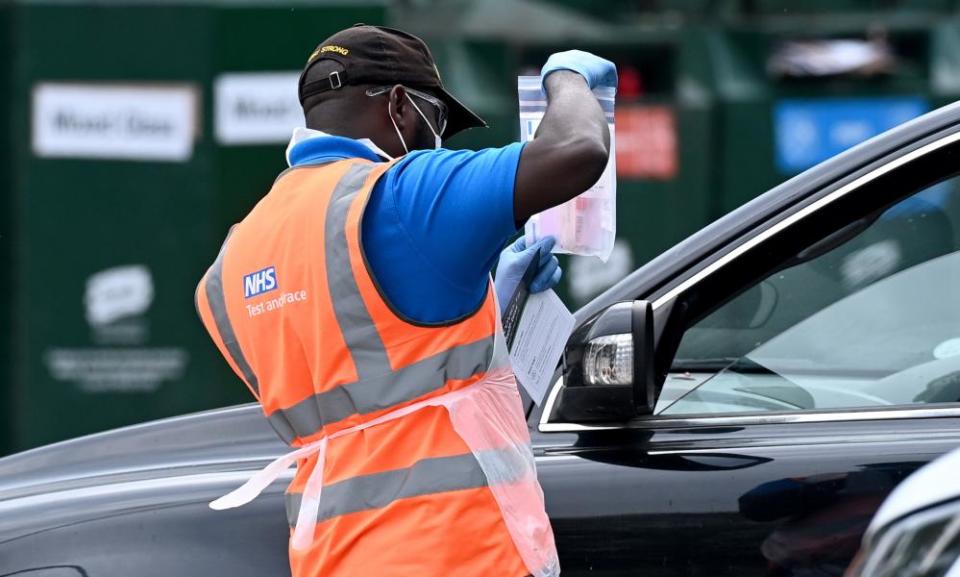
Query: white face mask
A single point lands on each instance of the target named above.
(436, 137)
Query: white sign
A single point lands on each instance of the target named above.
(130, 122)
(256, 108)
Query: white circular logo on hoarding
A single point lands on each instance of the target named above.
(117, 293)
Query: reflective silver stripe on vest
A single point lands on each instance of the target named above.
(365, 492)
(359, 332)
(387, 390)
(218, 306)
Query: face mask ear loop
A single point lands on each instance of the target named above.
(394, 122)
(437, 141)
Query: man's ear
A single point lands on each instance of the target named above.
(398, 105)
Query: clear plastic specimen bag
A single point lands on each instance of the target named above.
(587, 224)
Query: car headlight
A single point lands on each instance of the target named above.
(925, 544)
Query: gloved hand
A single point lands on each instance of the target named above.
(514, 261)
(598, 71)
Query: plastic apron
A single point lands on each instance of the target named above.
(488, 416)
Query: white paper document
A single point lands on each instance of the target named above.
(541, 336)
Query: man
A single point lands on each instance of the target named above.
(354, 301)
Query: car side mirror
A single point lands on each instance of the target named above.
(610, 367)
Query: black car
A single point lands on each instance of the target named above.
(739, 406)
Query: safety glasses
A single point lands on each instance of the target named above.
(436, 102)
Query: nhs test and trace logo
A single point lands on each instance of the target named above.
(262, 281)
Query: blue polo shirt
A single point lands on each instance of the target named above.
(435, 222)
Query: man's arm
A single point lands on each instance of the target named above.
(571, 147)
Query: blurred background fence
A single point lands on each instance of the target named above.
(134, 133)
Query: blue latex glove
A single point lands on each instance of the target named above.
(514, 261)
(598, 71)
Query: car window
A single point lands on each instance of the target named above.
(872, 322)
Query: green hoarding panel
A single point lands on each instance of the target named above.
(7, 238)
(113, 241)
(116, 237)
(482, 74)
(102, 245)
(775, 126)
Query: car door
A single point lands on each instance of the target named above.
(807, 367)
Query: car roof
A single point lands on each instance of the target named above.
(662, 269)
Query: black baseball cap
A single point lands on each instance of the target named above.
(379, 55)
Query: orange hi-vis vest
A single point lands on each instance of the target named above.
(412, 453)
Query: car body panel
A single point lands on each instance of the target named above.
(673, 500)
(926, 488)
(96, 502)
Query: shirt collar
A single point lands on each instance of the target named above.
(309, 145)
